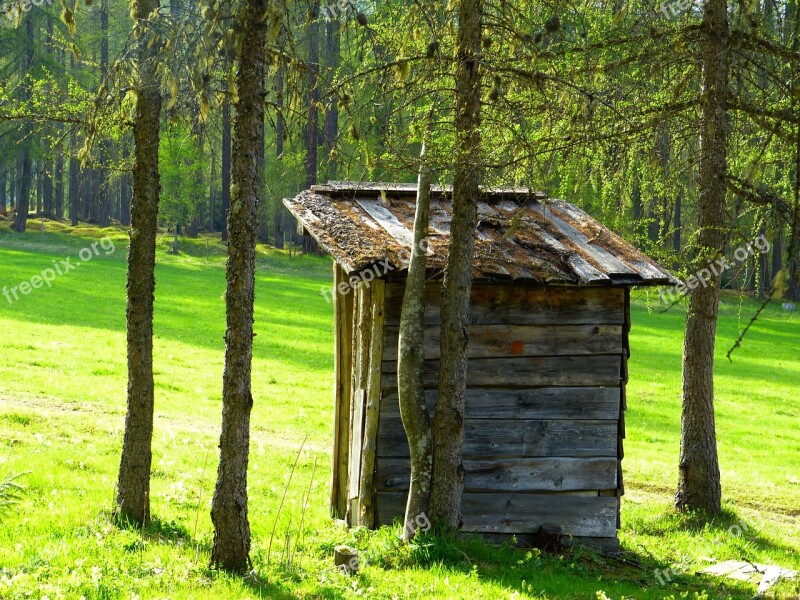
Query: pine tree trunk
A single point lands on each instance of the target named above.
(25, 171)
(448, 421)
(699, 478)
(23, 191)
(280, 121)
(678, 223)
(125, 188)
(411, 357)
(103, 195)
(231, 549)
(74, 188)
(226, 165)
(133, 485)
(59, 193)
(312, 126)
(331, 130)
(3, 210)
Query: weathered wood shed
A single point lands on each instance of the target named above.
(547, 356)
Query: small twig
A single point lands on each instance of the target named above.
(663, 310)
(754, 318)
(304, 508)
(280, 506)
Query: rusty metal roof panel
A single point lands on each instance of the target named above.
(520, 236)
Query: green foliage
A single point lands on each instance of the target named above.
(182, 182)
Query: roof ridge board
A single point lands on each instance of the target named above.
(352, 188)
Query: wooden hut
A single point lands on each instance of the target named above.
(547, 357)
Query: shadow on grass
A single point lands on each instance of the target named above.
(727, 526)
(579, 572)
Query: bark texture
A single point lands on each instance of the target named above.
(226, 165)
(231, 549)
(25, 168)
(410, 361)
(699, 479)
(448, 422)
(133, 484)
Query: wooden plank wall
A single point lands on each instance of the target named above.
(358, 361)
(544, 409)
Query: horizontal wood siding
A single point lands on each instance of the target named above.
(520, 513)
(543, 409)
(487, 341)
(508, 438)
(522, 305)
(538, 403)
(532, 371)
(516, 474)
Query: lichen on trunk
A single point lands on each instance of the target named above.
(229, 510)
(411, 358)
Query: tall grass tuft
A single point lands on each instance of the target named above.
(11, 492)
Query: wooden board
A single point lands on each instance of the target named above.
(372, 410)
(343, 335)
(538, 403)
(487, 341)
(500, 304)
(524, 372)
(515, 475)
(586, 516)
(386, 219)
(498, 438)
(357, 432)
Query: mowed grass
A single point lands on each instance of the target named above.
(62, 410)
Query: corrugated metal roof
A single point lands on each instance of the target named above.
(521, 235)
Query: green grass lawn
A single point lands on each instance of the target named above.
(62, 409)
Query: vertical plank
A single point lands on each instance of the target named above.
(361, 345)
(343, 336)
(372, 411)
(626, 353)
(337, 395)
(354, 475)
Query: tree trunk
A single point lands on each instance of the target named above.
(777, 251)
(87, 186)
(312, 126)
(280, 121)
(133, 485)
(678, 223)
(3, 210)
(226, 164)
(74, 189)
(448, 421)
(231, 549)
(12, 189)
(47, 186)
(699, 479)
(23, 190)
(211, 190)
(103, 195)
(58, 209)
(410, 360)
(331, 130)
(25, 170)
(125, 189)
